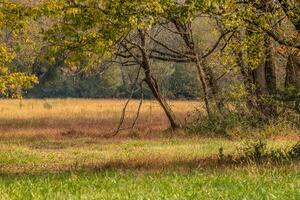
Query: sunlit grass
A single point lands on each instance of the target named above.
(242, 183)
(69, 154)
(53, 117)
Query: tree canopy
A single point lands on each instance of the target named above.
(223, 50)
(12, 22)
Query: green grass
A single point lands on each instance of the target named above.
(44, 155)
(69, 154)
(243, 183)
(165, 168)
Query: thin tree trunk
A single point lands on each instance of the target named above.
(186, 33)
(202, 77)
(213, 86)
(210, 77)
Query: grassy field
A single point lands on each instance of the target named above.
(55, 149)
(56, 117)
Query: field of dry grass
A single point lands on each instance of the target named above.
(75, 117)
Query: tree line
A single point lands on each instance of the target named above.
(244, 54)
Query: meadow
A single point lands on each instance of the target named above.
(55, 117)
(59, 149)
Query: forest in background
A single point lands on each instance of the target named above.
(177, 80)
(226, 53)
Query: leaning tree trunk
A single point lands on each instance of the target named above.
(152, 83)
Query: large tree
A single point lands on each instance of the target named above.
(104, 30)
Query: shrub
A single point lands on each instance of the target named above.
(294, 152)
(224, 124)
(254, 151)
(258, 152)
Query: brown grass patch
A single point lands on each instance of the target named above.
(76, 117)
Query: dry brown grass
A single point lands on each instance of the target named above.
(76, 117)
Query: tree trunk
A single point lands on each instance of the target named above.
(152, 83)
(213, 86)
(246, 79)
(202, 77)
(293, 71)
(270, 70)
(259, 79)
(186, 33)
(210, 79)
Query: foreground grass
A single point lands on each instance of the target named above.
(174, 168)
(241, 183)
(69, 154)
(65, 154)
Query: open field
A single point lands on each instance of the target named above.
(55, 117)
(54, 149)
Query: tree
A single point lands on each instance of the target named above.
(12, 19)
(261, 27)
(98, 30)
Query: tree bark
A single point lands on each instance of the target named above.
(259, 79)
(152, 83)
(202, 77)
(247, 81)
(270, 68)
(186, 33)
(292, 12)
(293, 70)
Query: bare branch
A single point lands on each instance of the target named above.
(126, 104)
(140, 105)
(168, 48)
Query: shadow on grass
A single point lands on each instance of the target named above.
(154, 165)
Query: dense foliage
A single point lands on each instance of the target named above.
(12, 23)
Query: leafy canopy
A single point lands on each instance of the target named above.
(12, 20)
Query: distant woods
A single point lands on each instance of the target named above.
(229, 53)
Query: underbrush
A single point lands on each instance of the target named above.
(258, 152)
(243, 125)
